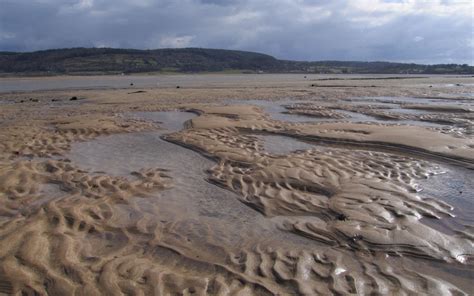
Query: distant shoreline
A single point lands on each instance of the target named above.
(106, 61)
(308, 82)
(370, 76)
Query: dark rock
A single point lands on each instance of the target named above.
(73, 99)
(178, 86)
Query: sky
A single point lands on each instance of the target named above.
(420, 31)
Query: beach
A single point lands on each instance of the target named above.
(249, 184)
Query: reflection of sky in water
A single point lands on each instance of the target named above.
(275, 144)
(404, 100)
(276, 110)
(455, 187)
(469, 95)
(191, 195)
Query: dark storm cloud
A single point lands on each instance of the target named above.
(398, 30)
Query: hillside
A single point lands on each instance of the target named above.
(85, 61)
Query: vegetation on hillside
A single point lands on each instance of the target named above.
(189, 60)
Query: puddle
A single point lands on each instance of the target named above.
(171, 121)
(449, 85)
(380, 102)
(119, 155)
(7, 102)
(404, 100)
(455, 187)
(275, 144)
(357, 117)
(400, 104)
(276, 110)
(47, 193)
(190, 197)
(410, 111)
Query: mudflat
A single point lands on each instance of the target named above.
(237, 185)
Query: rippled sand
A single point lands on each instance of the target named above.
(255, 188)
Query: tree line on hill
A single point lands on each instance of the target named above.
(88, 61)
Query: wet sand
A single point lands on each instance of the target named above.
(261, 185)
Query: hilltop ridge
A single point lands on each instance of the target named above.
(89, 61)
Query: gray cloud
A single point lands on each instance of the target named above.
(438, 31)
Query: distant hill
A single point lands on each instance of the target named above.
(88, 61)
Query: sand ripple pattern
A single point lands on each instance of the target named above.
(361, 201)
(66, 231)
